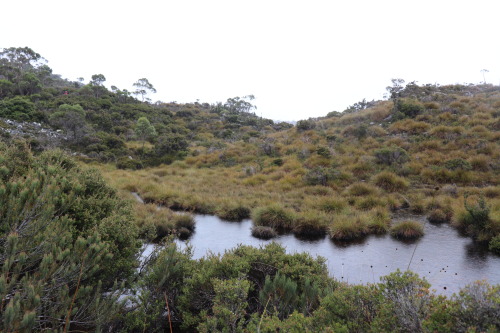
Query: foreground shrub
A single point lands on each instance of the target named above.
(406, 303)
(274, 216)
(407, 230)
(65, 237)
(477, 306)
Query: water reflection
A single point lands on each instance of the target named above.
(447, 260)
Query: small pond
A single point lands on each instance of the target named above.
(446, 259)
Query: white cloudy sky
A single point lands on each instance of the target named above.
(299, 58)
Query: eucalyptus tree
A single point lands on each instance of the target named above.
(143, 87)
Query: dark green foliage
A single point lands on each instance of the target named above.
(391, 155)
(354, 307)
(170, 145)
(476, 219)
(494, 244)
(320, 176)
(19, 108)
(63, 232)
(279, 294)
(129, 163)
(409, 108)
(457, 164)
(305, 125)
(278, 162)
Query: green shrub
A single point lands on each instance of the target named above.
(409, 107)
(457, 164)
(305, 125)
(319, 176)
(494, 244)
(475, 219)
(407, 230)
(128, 163)
(391, 155)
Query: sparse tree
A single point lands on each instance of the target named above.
(144, 130)
(484, 77)
(143, 87)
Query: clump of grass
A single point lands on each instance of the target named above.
(379, 221)
(263, 232)
(391, 182)
(184, 233)
(274, 216)
(407, 230)
(438, 216)
(361, 189)
(311, 224)
(184, 221)
(331, 204)
(234, 212)
(370, 201)
(349, 227)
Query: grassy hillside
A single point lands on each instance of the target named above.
(69, 242)
(432, 150)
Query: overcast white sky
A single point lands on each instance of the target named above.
(300, 59)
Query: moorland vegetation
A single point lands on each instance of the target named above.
(71, 230)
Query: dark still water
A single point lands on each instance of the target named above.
(447, 260)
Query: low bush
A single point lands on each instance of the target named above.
(407, 230)
(129, 163)
(391, 155)
(494, 244)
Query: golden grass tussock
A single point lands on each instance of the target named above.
(274, 216)
(407, 230)
(311, 224)
(391, 182)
